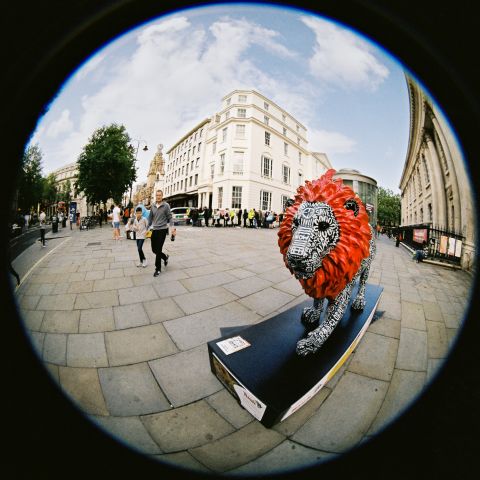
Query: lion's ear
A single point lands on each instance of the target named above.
(352, 204)
(289, 202)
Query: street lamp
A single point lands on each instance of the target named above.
(145, 148)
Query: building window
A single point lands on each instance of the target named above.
(298, 128)
(240, 131)
(212, 170)
(236, 197)
(298, 140)
(224, 135)
(222, 163)
(242, 99)
(191, 180)
(284, 202)
(198, 146)
(214, 148)
(266, 119)
(267, 138)
(242, 112)
(181, 185)
(228, 101)
(300, 178)
(267, 166)
(429, 212)
(265, 105)
(220, 197)
(227, 115)
(300, 158)
(286, 174)
(285, 148)
(201, 132)
(238, 163)
(191, 166)
(265, 200)
(198, 160)
(193, 150)
(284, 131)
(284, 117)
(427, 175)
(196, 178)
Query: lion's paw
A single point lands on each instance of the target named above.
(310, 317)
(358, 304)
(305, 346)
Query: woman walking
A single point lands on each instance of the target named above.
(139, 225)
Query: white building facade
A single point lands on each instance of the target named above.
(251, 154)
(70, 173)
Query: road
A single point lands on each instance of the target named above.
(23, 241)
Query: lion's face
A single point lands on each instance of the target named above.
(315, 231)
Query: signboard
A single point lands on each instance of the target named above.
(451, 246)
(73, 211)
(443, 244)
(458, 249)
(419, 235)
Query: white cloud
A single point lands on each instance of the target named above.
(89, 66)
(175, 78)
(330, 142)
(343, 59)
(62, 125)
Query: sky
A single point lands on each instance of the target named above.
(162, 78)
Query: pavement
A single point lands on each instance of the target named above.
(130, 349)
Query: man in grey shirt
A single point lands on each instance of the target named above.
(158, 221)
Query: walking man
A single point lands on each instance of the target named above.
(159, 219)
(43, 225)
(116, 222)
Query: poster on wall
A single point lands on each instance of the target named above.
(443, 244)
(458, 249)
(419, 235)
(451, 246)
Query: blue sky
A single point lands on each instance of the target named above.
(162, 78)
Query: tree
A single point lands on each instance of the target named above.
(30, 185)
(49, 189)
(106, 166)
(64, 192)
(389, 207)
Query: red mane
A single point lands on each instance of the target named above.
(343, 261)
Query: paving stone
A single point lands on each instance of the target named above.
(40, 289)
(452, 334)
(193, 330)
(96, 300)
(112, 283)
(437, 342)
(86, 350)
(433, 367)
(132, 272)
(61, 288)
(186, 427)
(356, 400)
(452, 320)
(122, 264)
(412, 350)
(57, 302)
(138, 344)
(237, 448)
(404, 387)
(385, 326)
(224, 404)
(30, 302)
(247, 286)
(287, 458)
(81, 286)
(102, 266)
(95, 275)
(128, 316)
(183, 460)
(291, 286)
(118, 273)
(95, 320)
(206, 269)
(432, 311)
(32, 319)
(56, 321)
(292, 423)
(83, 387)
(375, 356)
(129, 431)
(55, 348)
(76, 277)
(266, 301)
(276, 275)
(52, 369)
(241, 273)
(207, 281)
(164, 277)
(169, 289)
(413, 316)
(37, 340)
(131, 390)
(409, 296)
(197, 301)
(161, 310)
(136, 294)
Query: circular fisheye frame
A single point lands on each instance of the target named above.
(185, 353)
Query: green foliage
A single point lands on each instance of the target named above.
(30, 185)
(49, 190)
(63, 193)
(389, 207)
(106, 166)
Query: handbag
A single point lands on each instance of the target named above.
(148, 234)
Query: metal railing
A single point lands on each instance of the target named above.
(443, 244)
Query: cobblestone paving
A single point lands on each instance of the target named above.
(130, 349)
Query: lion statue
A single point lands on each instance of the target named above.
(327, 243)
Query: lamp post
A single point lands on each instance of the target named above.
(145, 148)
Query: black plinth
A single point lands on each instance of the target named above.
(268, 378)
